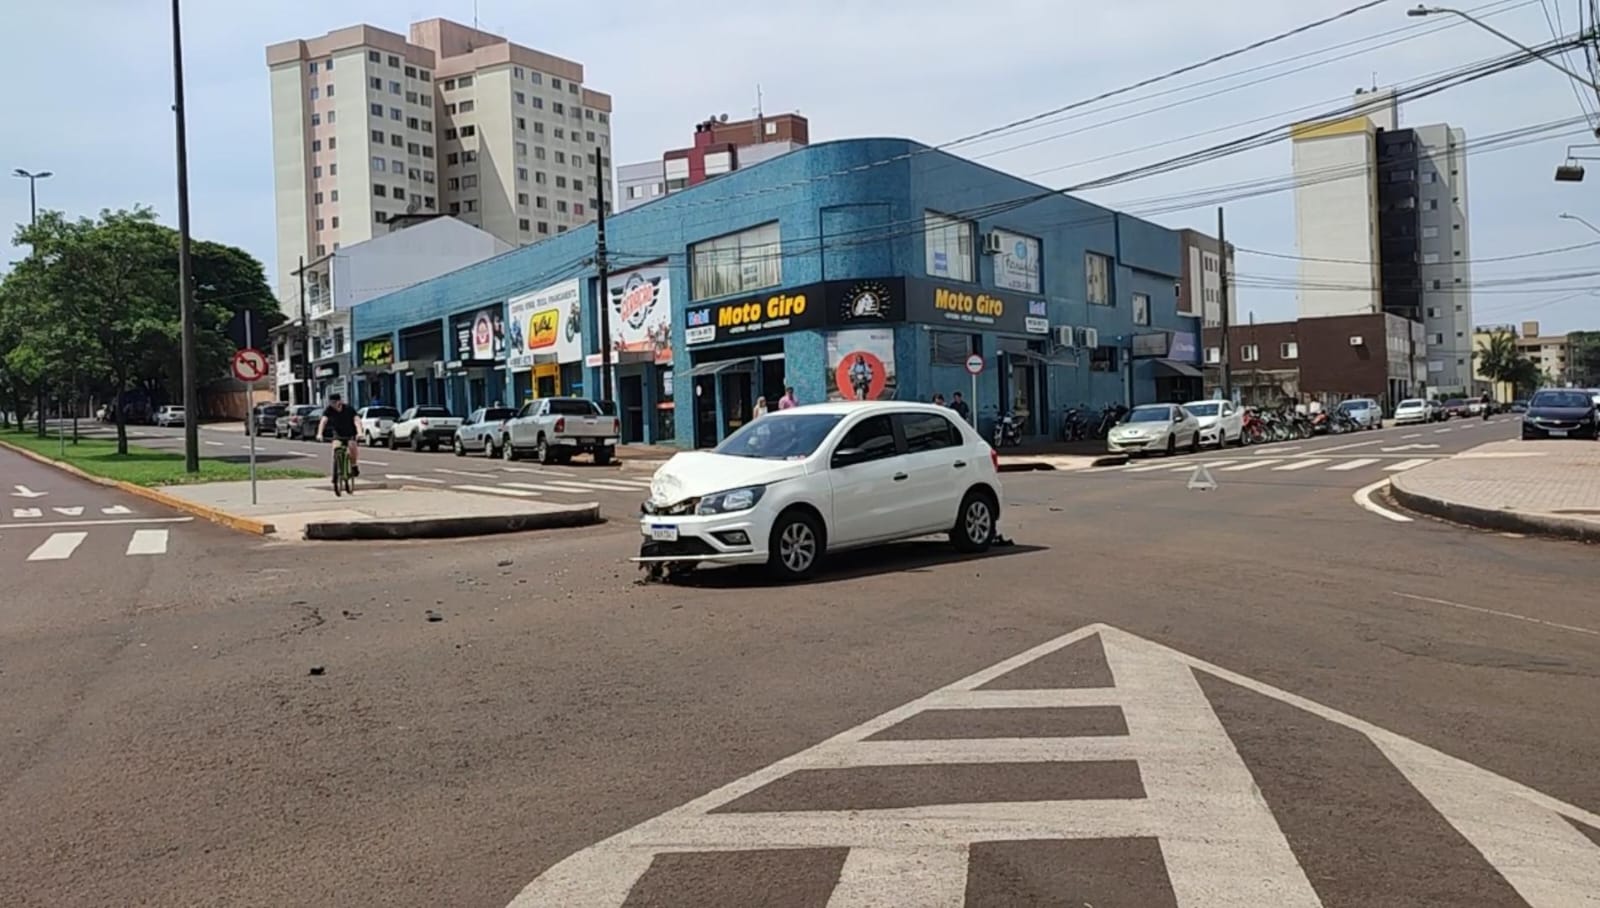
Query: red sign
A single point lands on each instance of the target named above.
(249, 365)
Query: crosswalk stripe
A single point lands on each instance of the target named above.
(1147, 468)
(1354, 464)
(1406, 465)
(148, 542)
(1248, 465)
(537, 487)
(1210, 465)
(408, 476)
(494, 490)
(604, 484)
(1301, 464)
(578, 486)
(58, 547)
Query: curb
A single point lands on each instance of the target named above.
(1551, 525)
(451, 527)
(223, 518)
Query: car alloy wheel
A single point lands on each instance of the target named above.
(975, 528)
(461, 449)
(507, 452)
(797, 547)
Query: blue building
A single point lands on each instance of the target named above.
(867, 267)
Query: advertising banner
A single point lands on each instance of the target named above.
(1017, 265)
(376, 352)
(548, 321)
(809, 307)
(861, 364)
(963, 307)
(480, 337)
(641, 314)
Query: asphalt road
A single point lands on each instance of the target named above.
(1256, 695)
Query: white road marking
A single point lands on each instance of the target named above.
(467, 473)
(1357, 444)
(1441, 431)
(374, 463)
(1412, 435)
(214, 444)
(1148, 468)
(1300, 464)
(148, 542)
(494, 490)
(1501, 614)
(409, 478)
(1354, 464)
(26, 513)
(106, 523)
(76, 511)
(1410, 448)
(1248, 465)
(1189, 467)
(575, 486)
(115, 509)
(1490, 455)
(1407, 464)
(25, 492)
(58, 547)
(536, 487)
(1363, 499)
(299, 454)
(1278, 449)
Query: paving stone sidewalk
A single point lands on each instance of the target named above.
(1545, 487)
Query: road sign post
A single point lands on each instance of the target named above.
(249, 366)
(974, 369)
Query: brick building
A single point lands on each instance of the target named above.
(1328, 358)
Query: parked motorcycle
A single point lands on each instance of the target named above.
(1007, 431)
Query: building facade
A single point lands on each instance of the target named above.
(842, 270)
(1327, 359)
(1199, 288)
(369, 126)
(719, 147)
(1382, 226)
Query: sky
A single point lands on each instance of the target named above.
(931, 70)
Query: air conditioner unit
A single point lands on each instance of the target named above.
(1356, 341)
(1066, 336)
(1088, 338)
(993, 244)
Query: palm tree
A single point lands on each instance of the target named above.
(1500, 360)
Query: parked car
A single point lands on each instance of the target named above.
(792, 487)
(1221, 422)
(424, 427)
(1456, 407)
(377, 425)
(299, 421)
(553, 429)
(1155, 427)
(169, 416)
(1413, 410)
(265, 417)
(1519, 406)
(482, 430)
(1560, 413)
(1364, 411)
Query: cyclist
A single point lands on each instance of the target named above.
(345, 426)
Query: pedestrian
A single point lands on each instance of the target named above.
(760, 409)
(938, 400)
(788, 399)
(960, 406)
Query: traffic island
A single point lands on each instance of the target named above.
(1542, 488)
(300, 509)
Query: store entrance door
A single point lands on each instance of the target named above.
(736, 399)
(705, 411)
(630, 388)
(1024, 379)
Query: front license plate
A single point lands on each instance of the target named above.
(1558, 433)
(661, 533)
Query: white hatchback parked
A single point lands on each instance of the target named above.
(794, 485)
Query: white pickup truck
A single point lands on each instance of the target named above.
(555, 428)
(424, 427)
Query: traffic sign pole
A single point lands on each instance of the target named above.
(249, 414)
(974, 369)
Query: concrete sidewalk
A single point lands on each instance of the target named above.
(1549, 488)
(308, 509)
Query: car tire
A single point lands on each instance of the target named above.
(603, 457)
(543, 453)
(459, 447)
(508, 452)
(489, 449)
(416, 442)
(796, 546)
(1222, 440)
(976, 523)
(1172, 444)
(1194, 442)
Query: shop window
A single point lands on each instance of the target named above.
(1141, 308)
(949, 246)
(740, 262)
(950, 349)
(1213, 355)
(1096, 279)
(1249, 353)
(1103, 359)
(1289, 350)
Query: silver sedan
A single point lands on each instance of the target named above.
(1155, 427)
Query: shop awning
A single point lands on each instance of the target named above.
(721, 365)
(1171, 368)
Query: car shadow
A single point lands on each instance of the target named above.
(901, 557)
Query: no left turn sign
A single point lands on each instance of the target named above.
(249, 365)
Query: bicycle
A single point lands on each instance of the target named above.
(342, 481)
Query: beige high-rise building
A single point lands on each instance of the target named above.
(368, 125)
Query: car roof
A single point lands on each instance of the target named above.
(847, 407)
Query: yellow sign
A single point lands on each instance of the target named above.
(778, 306)
(980, 304)
(542, 328)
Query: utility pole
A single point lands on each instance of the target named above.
(33, 221)
(191, 364)
(305, 334)
(605, 278)
(1222, 295)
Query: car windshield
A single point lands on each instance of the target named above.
(1205, 409)
(1352, 405)
(495, 414)
(1150, 414)
(382, 413)
(573, 406)
(435, 412)
(1412, 404)
(780, 436)
(1573, 400)
(1455, 402)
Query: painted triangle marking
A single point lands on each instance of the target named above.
(1201, 479)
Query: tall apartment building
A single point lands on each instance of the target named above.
(719, 147)
(368, 125)
(1381, 225)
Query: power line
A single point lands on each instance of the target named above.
(1483, 261)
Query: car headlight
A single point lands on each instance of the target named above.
(730, 501)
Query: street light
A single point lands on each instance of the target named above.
(1437, 10)
(33, 196)
(1572, 217)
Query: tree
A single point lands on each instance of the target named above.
(1584, 356)
(1503, 362)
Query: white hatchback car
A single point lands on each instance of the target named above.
(1221, 422)
(1159, 428)
(1412, 410)
(792, 486)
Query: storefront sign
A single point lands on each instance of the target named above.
(324, 370)
(1150, 345)
(377, 352)
(861, 364)
(480, 337)
(545, 322)
(1017, 265)
(843, 304)
(1185, 347)
(969, 308)
(641, 313)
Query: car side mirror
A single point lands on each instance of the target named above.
(845, 457)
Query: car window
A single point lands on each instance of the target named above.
(873, 435)
(382, 413)
(435, 412)
(1210, 408)
(928, 432)
(1150, 414)
(527, 409)
(407, 415)
(495, 414)
(571, 406)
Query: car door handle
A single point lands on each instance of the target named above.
(900, 476)
(960, 464)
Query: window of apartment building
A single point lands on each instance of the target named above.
(452, 159)
(380, 190)
(316, 145)
(522, 149)
(595, 203)
(522, 200)
(375, 109)
(452, 184)
(588, 136)
(468, 131)
(455, 207)
(605, 118)
(1436, 338)
(312, 67)
(561, 206)
(544, 226)
(1097, 279)
(314, 93)
(464, 82)
(469, 156)
(413, 149)
(411, 97)
(1433, 204)
(316, 119)
(538, 103)
(450, 108)
(1433, 311)
(375, 83)
(577, 185)
(329, 90)
(516, 72)
(588, 114)
(522, 124)
(535, 77)
(1249, 353)
(397, 166)
(323, 250)
(561, 157)
(394, 61)
(413, 123)
(320, 225)
(398, 193)
(561, 182)
(471, 205)
(377, 136)
(572, 88)
(467, 106)
(522, 174)
(411, 72)
(316, 198)
(374, 56)
(555, 83)
(427, 101)
(1430, 258)
(449, 84)
(576, 113)
(333, 115)
(541, 202)
(380, 217)
(380, 164)
(519, 98)
(335, 222)
(397, 140)
(427, 177)
(538, 152)
(577, 208)
(1289, 350)
(316, 171)
(558, 108)
(561, 228)
(450, 134)
(427, 126)
(470, 181)
(396, 113)
(1213, 355)
(561, 133)
(333, 169)
(333, 196)
(395, 88)
(948, 245)
(538, 128)
(428, 202)
(736, 263)
(541, 177)
(1141, 308)
(1435, 284)
(524, 225)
